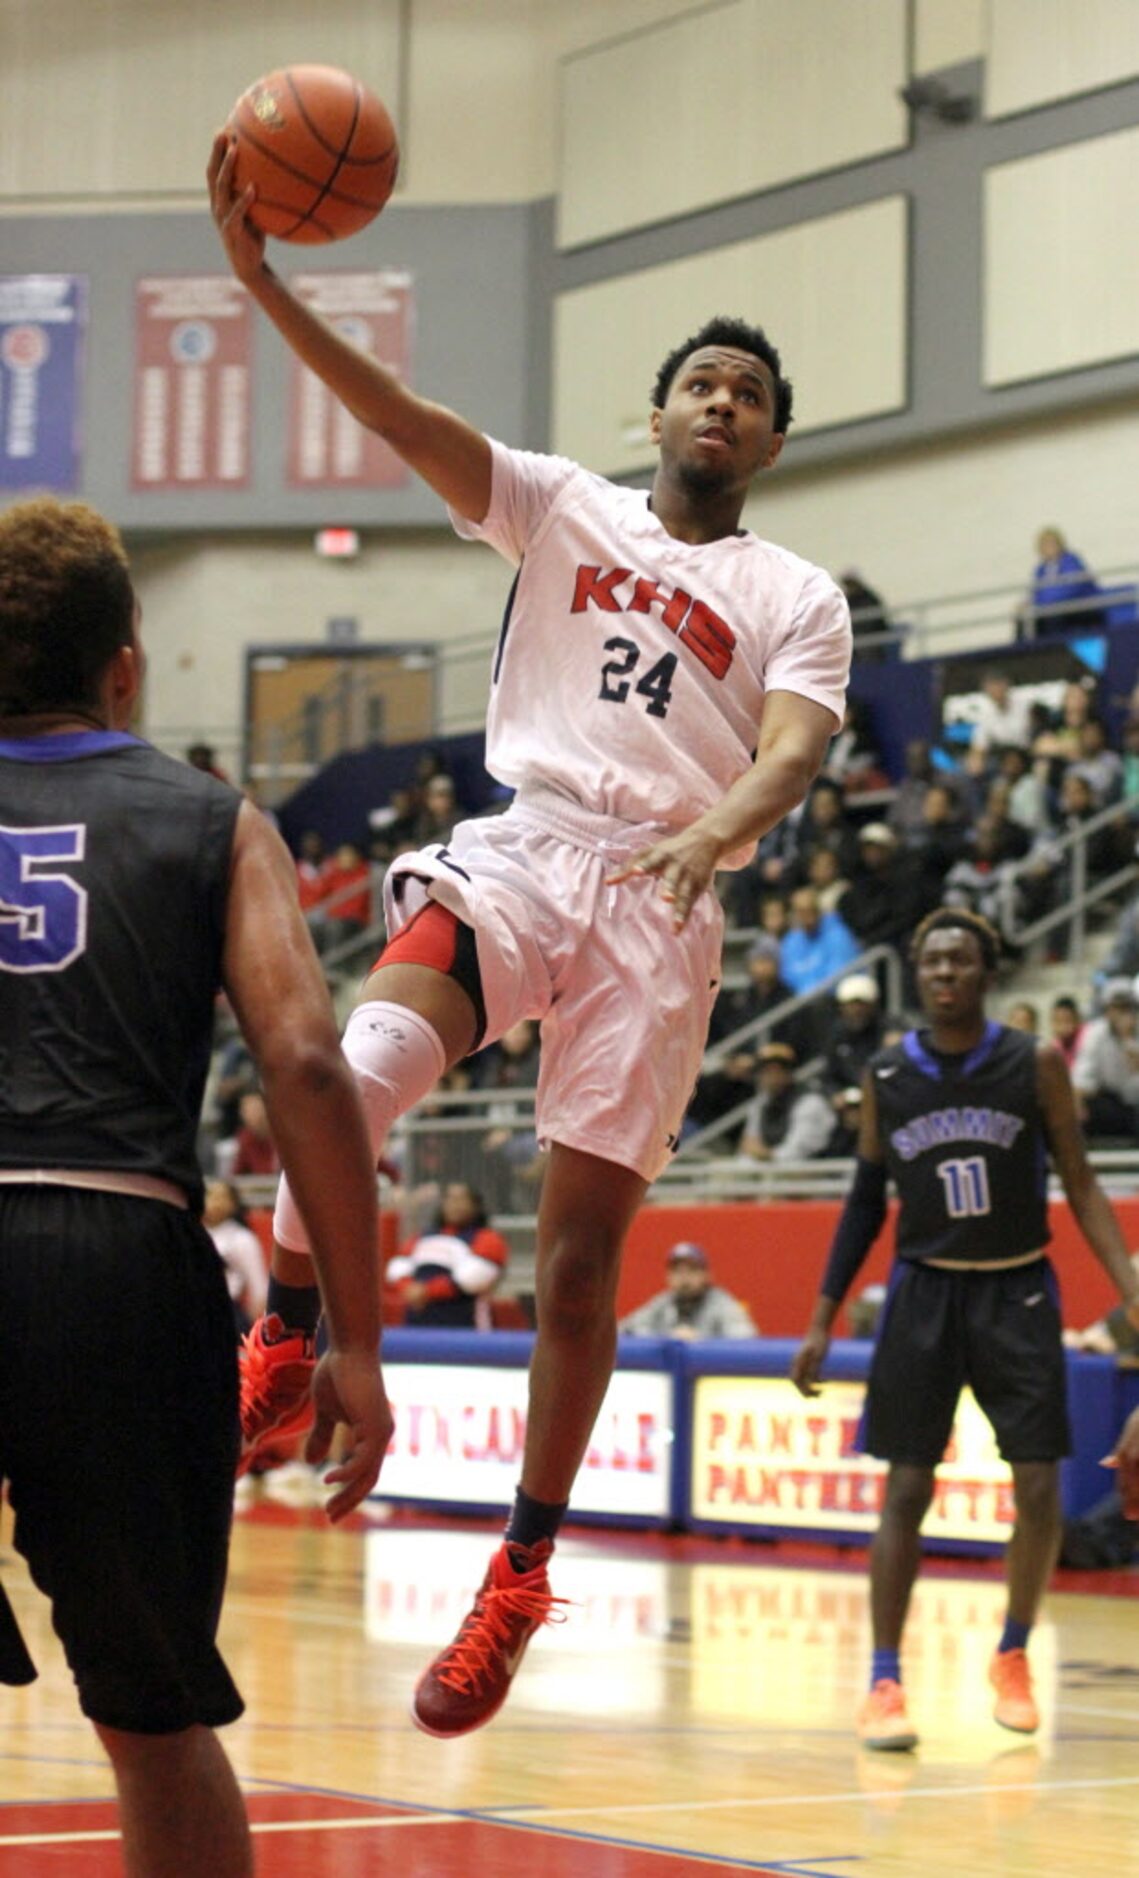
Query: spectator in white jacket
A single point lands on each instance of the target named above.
(1105, 1073)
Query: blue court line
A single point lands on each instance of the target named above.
(480, 1817)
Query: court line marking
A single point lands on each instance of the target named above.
(100, 1835)
(826, 1799)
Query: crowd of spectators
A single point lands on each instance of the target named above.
(979, 823)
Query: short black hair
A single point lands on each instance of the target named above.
(722, 330)
(66, 604)
(945, 917)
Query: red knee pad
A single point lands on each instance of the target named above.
(431, 937)
(437, 937)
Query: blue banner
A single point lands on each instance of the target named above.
(42, 325)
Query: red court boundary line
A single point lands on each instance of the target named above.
(311, 1836)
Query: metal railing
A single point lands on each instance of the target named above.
(1082, 895)
(759, 1027)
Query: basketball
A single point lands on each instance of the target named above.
(320, 149)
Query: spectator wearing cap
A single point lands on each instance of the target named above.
(816, 945)
(691, 1306)
(843, 1143)
(856, 1034)
(764, 992)
(785, 1121)
(881, 904)
(1105, 1074)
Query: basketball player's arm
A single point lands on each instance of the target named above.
(793, 741)
(1086, 1197)
(450, 454)
(277, 989)
(857, 1229)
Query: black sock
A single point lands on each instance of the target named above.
(297, 1306)
(532, 1520)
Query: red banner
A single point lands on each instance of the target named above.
(327, 448)
(192, 384)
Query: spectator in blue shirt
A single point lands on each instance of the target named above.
(817, 945)
(1059, 580)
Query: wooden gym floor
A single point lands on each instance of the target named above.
(693, 1715)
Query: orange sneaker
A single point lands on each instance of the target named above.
(276, 1373)
(882, 1719)
(1015, 1706)
(470, 1680)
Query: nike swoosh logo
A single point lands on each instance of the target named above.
(510, 1663)
(883, 1073)
(1034, 1299)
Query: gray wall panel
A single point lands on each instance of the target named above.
(480, 344)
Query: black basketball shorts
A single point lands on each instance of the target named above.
(119, 1441)
(997, 1332)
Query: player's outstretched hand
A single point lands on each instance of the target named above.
(348, 1387)
(1126, 1458)
(684, 864)
(244, 244)
(808, 1361)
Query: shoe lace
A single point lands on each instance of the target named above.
(490, 1626)
(265, 1383)
(888, 1698)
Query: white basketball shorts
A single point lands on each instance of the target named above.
(622, 1000)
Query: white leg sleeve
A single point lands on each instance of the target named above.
(397, 1058)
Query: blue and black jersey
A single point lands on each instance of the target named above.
(114, 875)
(965, 1145)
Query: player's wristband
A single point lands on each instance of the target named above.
(859, 1226)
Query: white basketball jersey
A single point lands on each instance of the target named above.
(631, 668)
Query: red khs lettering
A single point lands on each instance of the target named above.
(695, 624)
(593, 585)
(710, 637)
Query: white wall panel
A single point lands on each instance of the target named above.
(831, 294)
(1041, 50)
(104, 99)
(723, 102)
(947, 32)
(1061, 286)
(483, 91)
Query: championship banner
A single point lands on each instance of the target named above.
(327, 448)
(192, 383)
(43, 319)
(460, 1430)
(765, 1457)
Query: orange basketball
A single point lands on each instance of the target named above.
(321, 150)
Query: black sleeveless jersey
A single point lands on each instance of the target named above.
(114, 871)
(965, 1146)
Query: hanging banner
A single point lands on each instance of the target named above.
(43, 319)
(192, 383)
(327, 448)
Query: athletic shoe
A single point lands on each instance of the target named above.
(276, 1372)
(882, 1719)
(470, 1680)
(1015, 1706)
